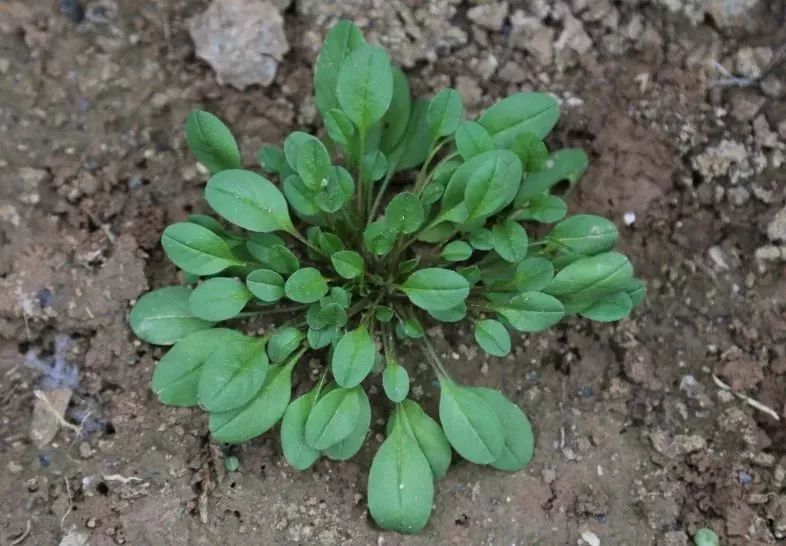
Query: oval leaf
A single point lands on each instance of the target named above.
(365, 85)
(457, 251)
(211, 142)
(333, 418)
(519, 442)
(163, 316)
(342, 39)
(293, 433)
(348, 263)
(493, 337)
(430, 437)
(196, 249)
(535, 113)
(472, 139)
(266, 285)
(349, 446)
(444, 112)
(436, 289)
(470, 424)
(584, 234)
(510, 241)
(233, 374)
(531, 311)
(395, 381)
(404, 213)
(354, 357)
(283, 343)
(306, 285)
(219, 299)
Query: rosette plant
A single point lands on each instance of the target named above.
(402, 215)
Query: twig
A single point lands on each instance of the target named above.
(56, 414)
(750, 401)
(24, 535)
(70, 503)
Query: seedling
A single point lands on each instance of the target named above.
(353, 267)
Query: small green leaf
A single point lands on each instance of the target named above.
(400, 485)
(337, 192)
(600, 274)
(339, 127)
(306, 285)
(374, 166)
(248, 200)
(283, 343)
(348, 263)
(383, 313)
(330, 243)
(519, 442)
(379, 238)
(530, 150)
(326, 314)
(510, 241)
(196, 249)
(492, 337)
(436, 289)
(568, 164)
(481, 239)
(473, 274)
(470, 424)
(349, 446)
(472, 139)
(457, 251)
(544, 208)
(408, 266)
(260, 414)
(233, 374)
(293, 433)
(321, 338)
(365, 85)
(211, 142)
(395, 381)
(531, 311)
(271, 158)
(637, 291)
(444, 112)
(302, 199)
(429, 436)
(493, 187)
(535, 113)
(266, 285)
(340, 296)
(260, 244)
(410, 328)
(218, 299)
(210, 223)
(533, 274)
(333, 418)
(609, 308)
(282, 260)
(454, 314)
(354, 357)
(394, 122)
(414, 146)
(342, 39)
(404, 213)
(176, 376)
(313, 164)
(584, 234)
(163, 316)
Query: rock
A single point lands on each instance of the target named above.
(679, 445)
(776, 512)
(772, 86)
(738, 196)
(512, 72)
(742, 373)
(776, 229)
(750, 62)
(731, 13)
(470, 91)
(782, 129)
(717, 161)
(693, 10)
(770, 253)
(242, 40)
(763, 135)
(74, 538)
(489, 16)
(745, 104)
(48, 414)
(573, 35)
(673, 538)
(529, 34)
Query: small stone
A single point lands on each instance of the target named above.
(47, 415)
(782, 129)
(85, 451)
(745, 104)
(718, 258)
(590, 538)
(470, 91)
(673, 538)
(489, 16)
(731, 13)
(14, 467)
(531, 35)
(738, 196)
(772, 86)
(769, 253)
(762, 134)
(776, 229)
(679, 445)
(512, 72)
(750, 62)
(5, 65)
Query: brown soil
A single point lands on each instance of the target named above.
(636, 442)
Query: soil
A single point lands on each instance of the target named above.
(647, 429)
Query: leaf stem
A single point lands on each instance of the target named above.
(435, 361)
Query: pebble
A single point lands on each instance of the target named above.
(490, 16)
(738, 196)
(776, 229)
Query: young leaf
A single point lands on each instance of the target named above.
(491, 189)
(326, 314)
(400, 486)
(306, 285)
(568, 164)
(266, 285)
(481, 239)
(444, 112)
(313, 164)
(379, 238)
(531, 151)
(210, 223)
(374, 166)
(233, 374)
(404, 213)
(271, 158)
(394, 122)
(609, 308)
(348, 263)
(492, 337)
(584, 234)
(337, 192)
(260, 244)
(535, 113)
(436, 289)
(354, 357)
(510, 241)
(410, 328)
(260, 414)
(218, 299)
(196, 249)
(282, 260)
(211, 142)
(457, 251)
(163, 316)
(600, 274)
(395, 381)
(637, 291)
(248, 200)
(544, 208)
(339, 128)
(349, 446)
(333, 418)
(519, 443)
(472, 139)
(533, 274)
(365, 85)
(414, 146)
(283, 343)
(342, 39)
(531, 311)
(383, 313)
(470, 424)
(302, 199)
(293, 433)
(176, 376)
(430, 438)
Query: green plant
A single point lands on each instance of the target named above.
(375, 267)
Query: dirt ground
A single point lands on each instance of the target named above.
(637, 443)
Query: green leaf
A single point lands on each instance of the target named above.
(493, 187)
(436, 289)
(313, 164)
(354, 357)
(292, 145)
(408, 266)
(584, 234)
(163, 316)
(454, 314)
(266, 285)
(531, 311)
(374, 166)
(492, 337)
(533, 274)
(394, 122)
(349, 446)
(306, 285)
(510, 241)
(410, 328)
(365, 85)
(519, 442)
(400, 486)
(444, 112)
(210, 223)
(429, 435)
(472, 273)
(212, 142)
(339, 128)
(568, 164)
(282, 260)
(326, 314)
(535, 113)
(600, 274)
(383, 313)
(457, 251)
(415, 145)
(260, 414)
(481, 239)
(293, 433)
(260, 244)
(609, 308)
(379, 238)
(544, 208)
(348, 263)
(531, 151)
(404, 213)
(342, 39)
(248, 200)
(196, 249)
(339, 296)
(271, 158)
(302, 199)
(233, 374)
(218, 299)
(176, 376)
(470, 424)
(472, 139)
(283, 343)
(330, 243)
(637, 291)
(321, 338)
(395, 381)
(338, 191)
(333, 418)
